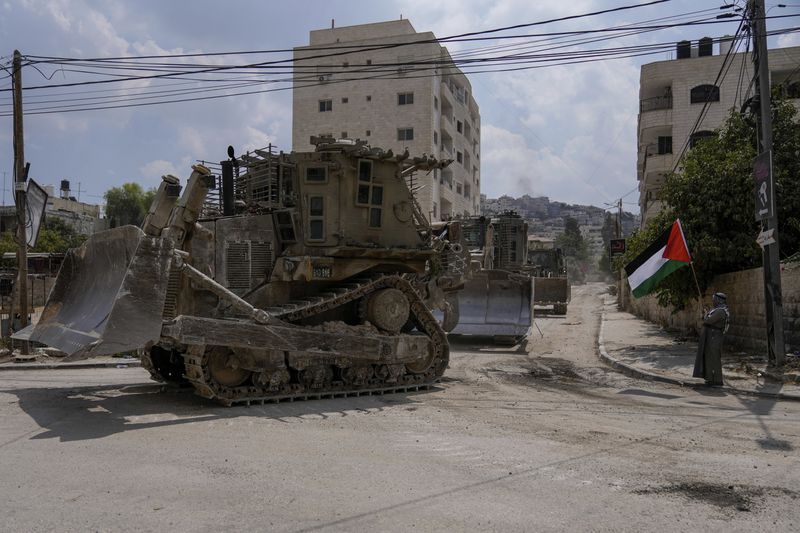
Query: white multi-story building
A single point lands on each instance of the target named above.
(370, 82)
(672, 95)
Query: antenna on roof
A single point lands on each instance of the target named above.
(333, 25)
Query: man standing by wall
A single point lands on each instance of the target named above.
(708, 364)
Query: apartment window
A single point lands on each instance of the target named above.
(435, 210)
(435, 103)
(369, 194)
(325, 105)
(435, 138)
(369, 61)
(316, 174)
(316, 218)
(467, 190)
(704, 93)
(405, 134)
(664, 145)
(344, 135)
(369, 132)
(458, 187)
(369, 98)
(345, 100)
(365, 171)
(405, 98)
(459, 126)
(345, 64)
(459, 157)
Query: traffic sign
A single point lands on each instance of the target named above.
(762, 175)
(617, 247)
(765, 238)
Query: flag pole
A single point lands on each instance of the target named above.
(691, 262)
(696, 283)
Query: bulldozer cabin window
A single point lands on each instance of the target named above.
(316, 174)
(369, 194)
(316, 218)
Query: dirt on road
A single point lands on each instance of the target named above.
(537, 437)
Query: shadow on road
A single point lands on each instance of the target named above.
(95, 412)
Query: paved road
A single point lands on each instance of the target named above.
(533, 438)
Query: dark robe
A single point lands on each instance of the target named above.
(708, 364)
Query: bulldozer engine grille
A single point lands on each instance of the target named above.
(261, 261)
(247, 264)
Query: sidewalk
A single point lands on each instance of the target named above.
(644, 350)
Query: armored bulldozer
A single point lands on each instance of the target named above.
(550, 279)
(497, 296)
(272, 276)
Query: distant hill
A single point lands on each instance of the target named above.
(546, 217)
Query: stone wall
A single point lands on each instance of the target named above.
(745, 290)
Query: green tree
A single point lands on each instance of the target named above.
(56, 236)
(714, 198)
(571, 241)
(128, 204)
(607, 232)
(575, 249)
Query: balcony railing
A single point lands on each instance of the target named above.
(655, 103)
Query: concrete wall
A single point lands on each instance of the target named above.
(745, 292)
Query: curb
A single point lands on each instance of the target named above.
(632, 371)
(126, 363)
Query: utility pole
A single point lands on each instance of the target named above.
(19, 193)
(771, 259)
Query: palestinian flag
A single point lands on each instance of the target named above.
(659, 260)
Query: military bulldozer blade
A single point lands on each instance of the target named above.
(109, 295)
(554, 291)
(496, 303)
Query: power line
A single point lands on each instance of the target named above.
(513, 62)
(547, 59)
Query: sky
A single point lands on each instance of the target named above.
(567, 132)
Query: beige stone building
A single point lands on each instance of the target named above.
(367, 82)
(672, 95)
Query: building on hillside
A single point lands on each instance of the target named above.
(82, 217)
(538, 242)
(672, 95)
(395, 95)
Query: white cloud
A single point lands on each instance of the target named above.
(156, 169)
(789, 39)
(566, 132)
(512, 166)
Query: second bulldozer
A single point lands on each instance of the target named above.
(497, 297)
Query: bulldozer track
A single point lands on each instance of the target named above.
(196, 357)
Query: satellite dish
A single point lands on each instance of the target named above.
(231, 153)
